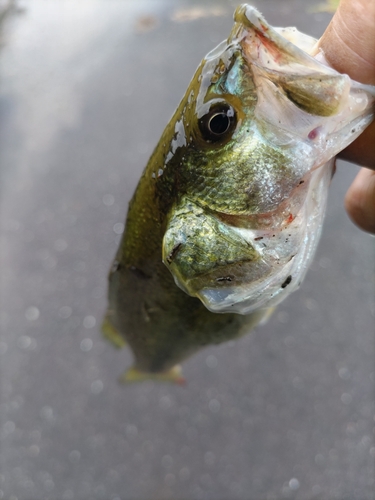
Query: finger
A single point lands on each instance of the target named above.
(360, 200)
(361, 151)
(348, 41)
(348, 47)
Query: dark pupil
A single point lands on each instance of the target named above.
(219, 123)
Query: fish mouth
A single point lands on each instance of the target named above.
(286, 239)
(237, 264)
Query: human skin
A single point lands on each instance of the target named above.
(348, 44)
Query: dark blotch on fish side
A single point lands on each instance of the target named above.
(286, 282)
(259, 238)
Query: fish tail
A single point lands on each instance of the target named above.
(173, 375)
(111, 334)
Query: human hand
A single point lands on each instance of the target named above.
(348, 45)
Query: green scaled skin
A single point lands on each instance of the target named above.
(220, 173)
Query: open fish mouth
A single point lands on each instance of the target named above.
(240, 268)
(300, 96)
(285, 249)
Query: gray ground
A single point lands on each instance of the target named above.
(286, 412)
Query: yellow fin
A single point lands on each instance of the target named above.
(111, 334)
(173, 375)
(267, 316)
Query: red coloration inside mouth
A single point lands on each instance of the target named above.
(271, 47)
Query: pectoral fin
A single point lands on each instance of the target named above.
(111, 334)
(267, 316)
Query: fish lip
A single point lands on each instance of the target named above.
(250, 24)
(260, 294)
(243, 297)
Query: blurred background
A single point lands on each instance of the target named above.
(286, 412)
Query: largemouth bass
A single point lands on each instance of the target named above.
(228, 212)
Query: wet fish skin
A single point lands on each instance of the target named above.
(231, 217)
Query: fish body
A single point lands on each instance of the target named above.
(228, 211)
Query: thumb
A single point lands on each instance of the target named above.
(348, 45)
(360, 200)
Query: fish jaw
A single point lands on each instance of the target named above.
(300, 97)
(269, 261)
(288, 249)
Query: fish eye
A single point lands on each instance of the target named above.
(219, 123)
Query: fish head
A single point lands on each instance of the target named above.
(250, 163)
